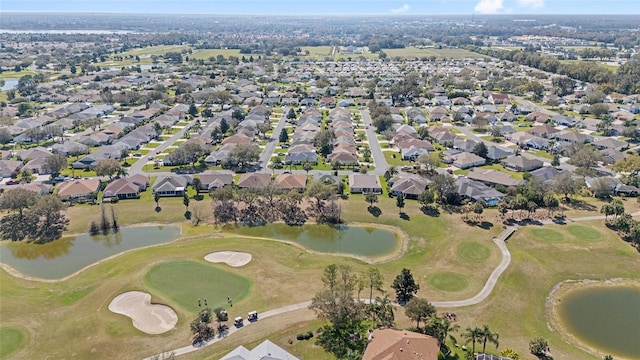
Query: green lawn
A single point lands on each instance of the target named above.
(449, 281)
(11, 340)
(184, 282)
(397, 160)
(154, 50)
(206, 54)
(412, 52)
(584, 232)
(473, 251)
(15, 75)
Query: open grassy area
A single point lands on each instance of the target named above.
(448, 281)
(11, 340)
(154, 50)
(412, 52)
(15, 75)
(474, 251)
(185, 282)
(207, 53)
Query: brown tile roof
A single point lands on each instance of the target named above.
(78, 187)
(291, 181)
(391, 344)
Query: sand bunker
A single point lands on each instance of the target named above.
(231, 258)
(147, 317)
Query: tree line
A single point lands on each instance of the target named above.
(32, 216)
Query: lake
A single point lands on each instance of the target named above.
(606, 318)
(353, 240)
(65, 256)
(9, 83)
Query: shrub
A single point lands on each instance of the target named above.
(310, 334)
(300, 337)
(115, 199)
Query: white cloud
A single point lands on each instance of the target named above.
(534, 4)
(402, 9)
(489, 6)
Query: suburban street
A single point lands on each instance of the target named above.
(376, 152)
(138, 166)
(273, 141)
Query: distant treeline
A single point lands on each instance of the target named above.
(625, 81)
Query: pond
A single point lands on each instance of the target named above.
(9, 84)
(65, 256)
(606, 318)
(352, 240)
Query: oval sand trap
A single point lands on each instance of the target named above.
(231, 258)
(149, 318)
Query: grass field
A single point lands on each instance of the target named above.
(15, 75)
(185, 282)
(412, 52)
(448, 281)
(154, 50)
(11, 340)
(474, 251)
(206, 54)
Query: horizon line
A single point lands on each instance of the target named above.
(304, 14)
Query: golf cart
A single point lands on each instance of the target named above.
(237, 322)
(252, 316)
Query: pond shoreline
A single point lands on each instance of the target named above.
(17, 274)
(555, 297)
(397, 253)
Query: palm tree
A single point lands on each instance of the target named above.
(307, 166)
(489, 336)
(444, 328)
(472, 334)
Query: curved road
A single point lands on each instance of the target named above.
(482, 295)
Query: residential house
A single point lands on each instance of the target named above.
(493, 177)
(465, 160)
(170, 185)
(9, 168)
(545, 174)
(141, 180)
(572, 137)
(393, 344)
(70, 148)
(561, 120)
(291, 182)
(611, 156)
(544, 131)
(265, 351)
(254, 180)
(79, 190)
(409, 188)
(122, 188)
(496, 153)
(537, 117)
(364, 184)
(477, 191)
(212, 180)
(610, 143)
(521, 163)
(499, 98)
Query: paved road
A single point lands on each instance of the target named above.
(376, 152)
(493, 278)
(285, 309)
(138, 166)
(532, 106)
(271, 143)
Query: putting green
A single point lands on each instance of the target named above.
(11, 340)
(185, 282)
(449, 281)
(547, 234)
(473, 251)
(584, 233)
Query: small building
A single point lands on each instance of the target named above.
(170, 185)
(79, 190)
(364, 184)
(521, 163)
(409, 188)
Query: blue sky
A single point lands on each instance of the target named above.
(342, 7)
